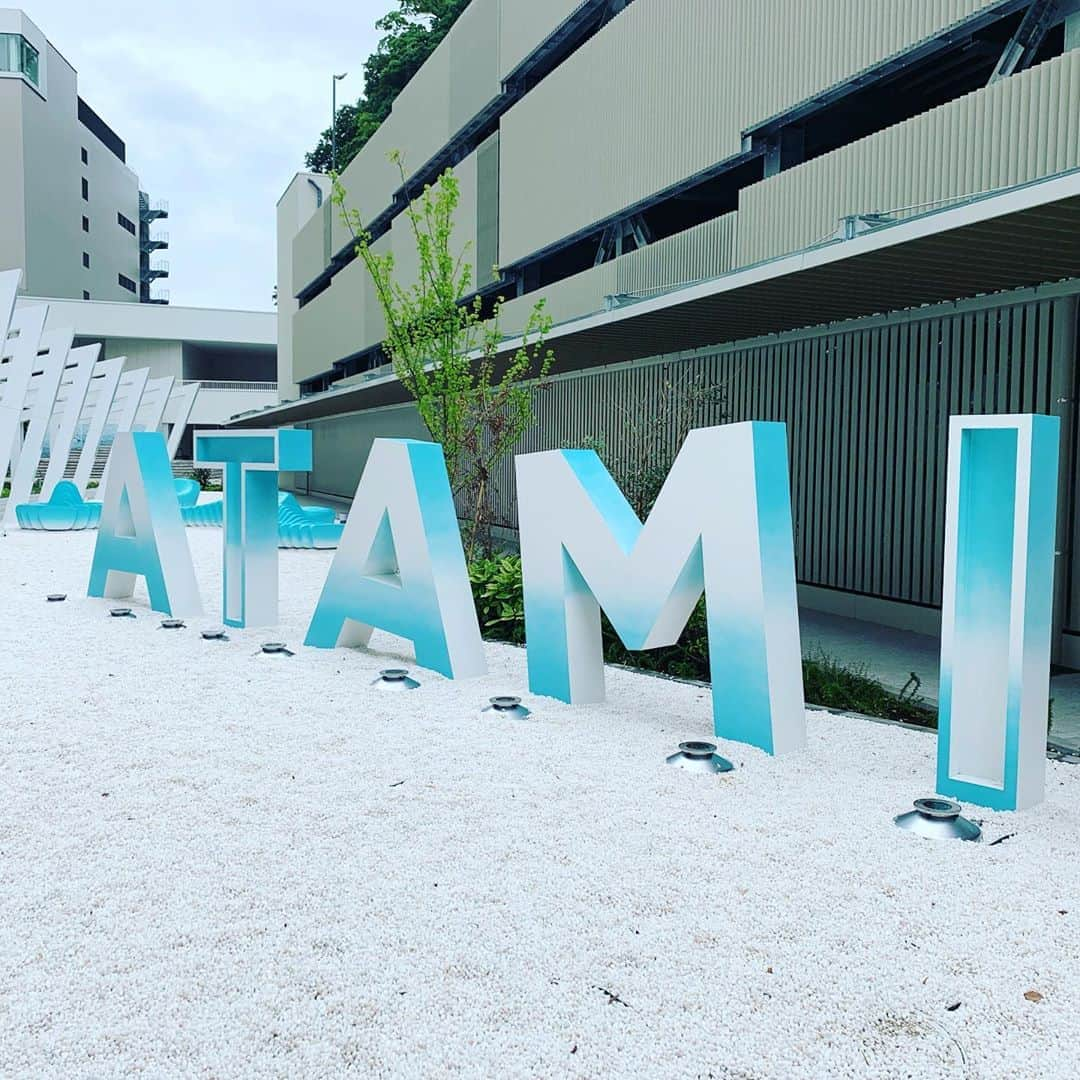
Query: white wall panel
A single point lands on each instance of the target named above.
(342, 320)
(474, 61)
(702, 252)
(1015, 131)
(309, 254)
(525, 25)
(462, 240)
(420, 120)
(666, 89)
(371, 178)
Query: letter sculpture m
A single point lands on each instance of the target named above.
(721, 525)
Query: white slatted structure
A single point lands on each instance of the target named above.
(63, 397)
(151, 411)
(17, 355)
(95, 416)
(50, 359)
(125, 406)
(67, 409)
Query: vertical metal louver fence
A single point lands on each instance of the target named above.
(867, 411)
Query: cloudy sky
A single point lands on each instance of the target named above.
(218, 102)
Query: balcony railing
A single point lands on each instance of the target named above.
(209, 384)
(155, 241)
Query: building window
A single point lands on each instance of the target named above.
(18, 55)
(85, 189)
(86, 259)
(85, 156)
(85, 224)
(126, 282)
(127, 223)
(85, 295)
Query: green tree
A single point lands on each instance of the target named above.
(411, 33)
(445, 350)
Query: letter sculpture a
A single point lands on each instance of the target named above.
(141, 532)
(400, 566)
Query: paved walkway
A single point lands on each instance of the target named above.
(890, 656)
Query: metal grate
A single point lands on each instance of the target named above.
(867, 413)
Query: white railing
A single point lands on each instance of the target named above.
(210, 385)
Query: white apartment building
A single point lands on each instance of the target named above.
(71, 212)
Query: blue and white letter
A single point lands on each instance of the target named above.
(722, 525)
(142, 533)
(997, 608)
(400, 566)
(250, 462)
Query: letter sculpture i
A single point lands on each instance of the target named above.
(997, 608)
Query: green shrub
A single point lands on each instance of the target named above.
(833, 685)
(500, 602)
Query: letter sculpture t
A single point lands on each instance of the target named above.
(251, 461)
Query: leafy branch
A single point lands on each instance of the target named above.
(447, 350)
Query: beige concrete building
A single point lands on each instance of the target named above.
(854, 217)
(71, 213)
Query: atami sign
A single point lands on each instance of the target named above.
(721, 527)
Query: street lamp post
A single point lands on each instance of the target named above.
(333, 121)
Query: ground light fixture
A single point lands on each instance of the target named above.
(56, 597)
(172, 624)
(395, 679)
(215, 633)
(506, 706)
(700, 757)
(938, 819)
(122, 613)
(276, 648)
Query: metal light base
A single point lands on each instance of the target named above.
(172, 624)
(700, 757)
(276, 648)
(215, 633)
(507, 707)
(395, 679)
(938, 819)
(121, 613)
(56, 597)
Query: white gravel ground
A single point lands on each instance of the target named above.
(219, 864)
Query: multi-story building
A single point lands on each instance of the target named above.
(71, 213)
(857, 218)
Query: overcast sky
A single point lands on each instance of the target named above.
(218, 102)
